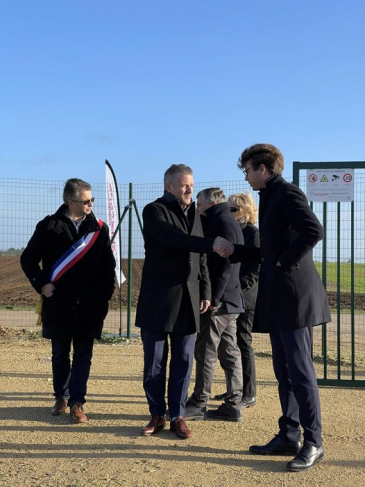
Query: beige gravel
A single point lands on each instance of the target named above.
(37, 449)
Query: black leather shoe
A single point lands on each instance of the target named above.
(248, 402)
(193, 413)
(308, 456)
(224, 413)
(220, 397)
(277, 446)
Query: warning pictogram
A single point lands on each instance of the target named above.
(330, 184)
(347, 178)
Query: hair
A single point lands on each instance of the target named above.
(266, 154)
(175, 170)
(73, 187)
(247, 206)
(213, 195)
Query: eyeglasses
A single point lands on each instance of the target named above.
(233, 209)
(246, 171)
(85, 202)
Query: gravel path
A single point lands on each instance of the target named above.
(37, 449)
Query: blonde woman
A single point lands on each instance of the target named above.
(244, 210)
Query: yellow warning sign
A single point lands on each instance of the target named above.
(324, 179)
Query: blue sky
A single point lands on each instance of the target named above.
(146, 84)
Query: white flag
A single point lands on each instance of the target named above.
(112, 217)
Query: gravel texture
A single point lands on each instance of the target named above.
(37, 449)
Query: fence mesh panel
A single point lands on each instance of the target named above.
(24, 202)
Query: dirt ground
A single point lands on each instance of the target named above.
(15, 289)
(37, 449)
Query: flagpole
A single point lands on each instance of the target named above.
(121, 277)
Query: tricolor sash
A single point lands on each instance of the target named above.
(73, 255)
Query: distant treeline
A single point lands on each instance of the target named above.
(11, 251)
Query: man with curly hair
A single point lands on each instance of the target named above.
(291, 300)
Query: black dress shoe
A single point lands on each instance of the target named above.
(220, 397)
(224, 413)
(193, 413)
(248, 402)
(277, 446)
(308, 456)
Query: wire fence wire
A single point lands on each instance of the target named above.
(25, 202)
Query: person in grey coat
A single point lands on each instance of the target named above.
(291, 300)
(244, 210)
(217, 336)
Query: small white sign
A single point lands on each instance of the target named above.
(330, 184)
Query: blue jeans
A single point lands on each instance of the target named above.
(70, 382)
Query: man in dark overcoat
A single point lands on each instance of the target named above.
(175, 289)
(76, 281)
(291, 300)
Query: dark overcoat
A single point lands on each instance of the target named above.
(175, 274)
(249, 273)
(79, 302)
(291, 296)
(224, 275)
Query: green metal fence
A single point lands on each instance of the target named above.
(339, 345)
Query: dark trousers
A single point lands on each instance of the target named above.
(244, 342)
(298, 390)
(156, 350)
(70, 382)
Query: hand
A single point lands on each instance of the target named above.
(47, 290)
(223, 247)
(204, 305)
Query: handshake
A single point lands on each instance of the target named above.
(223, 247)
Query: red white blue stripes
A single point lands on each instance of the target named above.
(73, 255)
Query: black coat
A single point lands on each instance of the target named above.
(249, 273)
(224, 275)
(291, 296)
(175, 275)
(80, 300)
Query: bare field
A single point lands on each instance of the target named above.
(15, 289)
(39, 450)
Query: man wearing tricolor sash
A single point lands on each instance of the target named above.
(76, 281)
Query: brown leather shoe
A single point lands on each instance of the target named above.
(180, 428)
(156, 424)
(59, 407)
(77, 413)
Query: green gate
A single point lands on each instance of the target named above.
(339, 347)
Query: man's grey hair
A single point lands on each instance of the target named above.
(213, 195)
(73, 187)
(174, 170)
